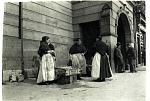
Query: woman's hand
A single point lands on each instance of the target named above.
(52, 52)
(49, 51)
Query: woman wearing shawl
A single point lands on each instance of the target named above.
(100, 65)
(77, 52)
(46, 71)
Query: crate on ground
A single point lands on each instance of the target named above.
(67, 79)
(68, 70)
(66, 75)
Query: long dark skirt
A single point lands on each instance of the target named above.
(105, 70)
(101, 67)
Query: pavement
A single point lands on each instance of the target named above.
(121, 87)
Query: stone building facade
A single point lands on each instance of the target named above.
(53, 19)
(111, 19)
(140, 27)
(62, 21)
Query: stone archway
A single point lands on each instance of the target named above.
(109, 30)
(123, 15)
(124, 26)
(124, 33)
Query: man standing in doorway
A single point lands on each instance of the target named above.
(131, 57)
(118, 58)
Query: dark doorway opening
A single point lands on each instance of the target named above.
(121, 37)
(124, 35)
(90, 31)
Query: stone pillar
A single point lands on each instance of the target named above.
(107, 32)
(111, 41)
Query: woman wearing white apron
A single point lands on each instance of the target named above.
(46, 71)
(77, 52)
(100, 65)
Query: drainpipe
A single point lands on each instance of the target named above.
(21, 34)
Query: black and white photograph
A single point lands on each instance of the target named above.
(86, 50)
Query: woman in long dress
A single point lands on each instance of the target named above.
(46, 71)
(77, 52)
(100, 65)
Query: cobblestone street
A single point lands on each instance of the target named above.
(122, 87)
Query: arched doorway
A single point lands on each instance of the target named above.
(124, 34)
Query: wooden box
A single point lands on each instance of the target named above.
(68, 70)
(67, 79)
(66, 75)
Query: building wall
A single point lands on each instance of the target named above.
(90, 11)
(115, 9)
(87, 11)
(141, 35)
(53, 19)
(60, 21)
(128, 11)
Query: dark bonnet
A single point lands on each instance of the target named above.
(44, 38)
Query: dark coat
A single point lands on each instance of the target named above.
(77, 49)
(51, 47)
(44, 48)
(105, 67)
(101, 47)
(118, 58)
(131, 53)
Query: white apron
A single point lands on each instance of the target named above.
(46, 71)
(95, 72)
(96, 67)
(79, 61)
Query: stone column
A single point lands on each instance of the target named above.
(108, 32)
(111, 42)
